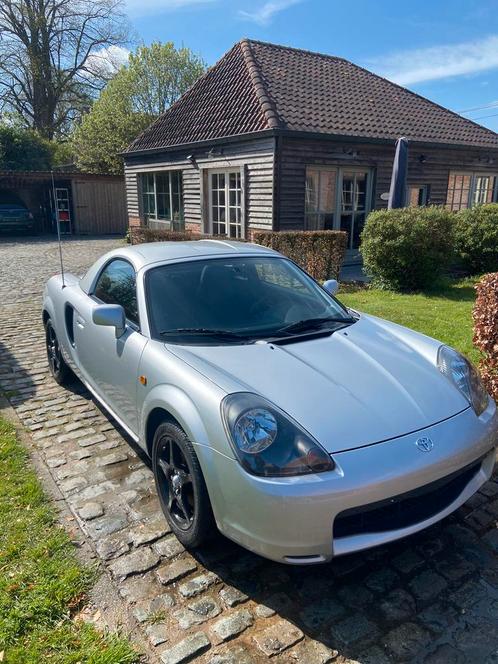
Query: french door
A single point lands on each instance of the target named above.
(225, 211)
(338, 198)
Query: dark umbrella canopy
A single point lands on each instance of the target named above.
(397, 191)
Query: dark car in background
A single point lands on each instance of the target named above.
(14, 215)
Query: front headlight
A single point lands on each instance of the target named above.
(268, 442)
(464, 376)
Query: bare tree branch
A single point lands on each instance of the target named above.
(45, 50)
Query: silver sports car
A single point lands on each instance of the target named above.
(299, 428)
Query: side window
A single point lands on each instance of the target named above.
(117, 285)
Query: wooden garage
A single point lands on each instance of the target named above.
(86, 204)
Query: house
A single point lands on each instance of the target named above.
(278, 138)
(85, 203)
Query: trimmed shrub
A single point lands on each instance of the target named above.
(476, 238)
(485, 316)
(141, 234)
(407, 248)
(320, 253)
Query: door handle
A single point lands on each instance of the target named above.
(80, 322)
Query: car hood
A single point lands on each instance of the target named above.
(364, 384)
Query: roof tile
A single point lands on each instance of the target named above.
(258, 86)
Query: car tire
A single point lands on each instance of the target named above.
(56, 364)
(181, 487)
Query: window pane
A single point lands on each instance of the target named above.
(116, 285)
(327, 191)
(312, 189)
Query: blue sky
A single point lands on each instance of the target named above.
(446, 50)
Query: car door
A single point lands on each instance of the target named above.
(108, 364)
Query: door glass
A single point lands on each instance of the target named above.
(320, 198)
(116, 285)
(353, 205)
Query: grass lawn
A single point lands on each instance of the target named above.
(41, 581)
(445, 314)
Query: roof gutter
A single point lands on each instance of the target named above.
(291, 133)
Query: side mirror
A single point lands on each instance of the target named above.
(331, 286)
(111, 315)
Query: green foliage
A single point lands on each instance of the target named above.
(41, 580)
(476, 238)
(24, 150)
(408, 248)
(444, 313)
(154, 78)
(320, 253)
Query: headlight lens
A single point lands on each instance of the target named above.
(268, 442)
(464, 376)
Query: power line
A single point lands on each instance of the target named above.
(481, 117)
(479, 108)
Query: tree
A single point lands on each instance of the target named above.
(50, 57)
(154, 78)
(24, 150)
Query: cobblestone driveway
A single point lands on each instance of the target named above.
(432, 598)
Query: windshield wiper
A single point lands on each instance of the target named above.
(315, 323)
(203, 331)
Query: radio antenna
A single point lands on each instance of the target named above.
(57, 222)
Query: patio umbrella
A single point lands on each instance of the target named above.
(397, 191)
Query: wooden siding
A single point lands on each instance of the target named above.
(99, 206)
(254, 157)
(426, 166)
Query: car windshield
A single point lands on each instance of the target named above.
(234, 300)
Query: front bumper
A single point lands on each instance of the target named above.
(291, 520)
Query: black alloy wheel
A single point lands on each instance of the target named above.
(180, 486)
(56, 364)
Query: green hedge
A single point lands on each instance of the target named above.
(141, 234)
(476, 238)
(485, 316)
(407, 248)
(320, 253)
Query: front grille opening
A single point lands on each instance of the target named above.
(406, 509)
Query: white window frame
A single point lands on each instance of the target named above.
(240, 223)
(170, 223)
(474, 175)
(340, 169)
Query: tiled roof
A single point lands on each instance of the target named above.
(258, 86)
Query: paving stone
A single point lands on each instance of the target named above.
(106, 525)
(232, 625)
(355, 596)
(88, 441)
(110, 459)
(277, 638)
(137, 588)
(237, 655)
(427, 585)
(453, 566)
(73, 483)
(146, 608)
(314, 652)
(354, 628)
(55, 462)
(197, 612)
(90, 511)
(132, 563)
(232, 596)
(445, 654)
(382, 580)
(373, 655)
(112, 547)
(263, 611)
(407, 561)
(175, 570)
(148, 531)
(186, 649)
(321, 612)
(397, 606)
(168, 547)
(157, 633)
(198, 584)
(407, 641)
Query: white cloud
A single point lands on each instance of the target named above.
(264, 15)
(436, 62)
(106, 61)
(141, 7)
